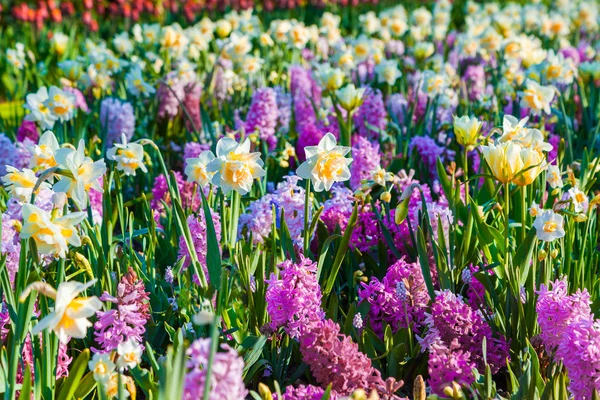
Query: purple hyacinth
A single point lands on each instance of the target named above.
(7, 153)
(454, 340)
(284, 105)
(399, 299)
(226, 380)
(170, 93)
(428, 152)
(370, 118)
(262, 116)
(197, 226)
(127, 321)
(294, 298)
(366, 160)
(116, 118)
(28, 130)
(191, 102)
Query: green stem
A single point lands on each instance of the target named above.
(523, 213)
(506, 221)
(235, 213)
(306, 217)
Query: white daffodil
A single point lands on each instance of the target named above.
(235, 167)
(535, 210)
(130, 354)
(42, 154)
(325, 164)
(579, 199)
(51, 237)
(387, 71)
(554, 177)
(129, 156)
(38, 112)
(549, 226)
(350, 97)
(196, 168)
(136, 84)
(60, 103)
(20, 184)
(85, 173)
(70, 316)
(101, 366)
(537, 97)
(512, 128)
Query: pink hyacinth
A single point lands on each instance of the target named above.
(127, 321)
(334, 359)
(305, 392)
(28, 130)
(191, 102)
(226, 382)
(170, 93)
(294, 298)
(80, 102)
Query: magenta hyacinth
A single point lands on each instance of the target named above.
(370, 118)
(28, 130)
(294, 298)
(226, 380)
(366, 159)
(127, 320)
(305, 392)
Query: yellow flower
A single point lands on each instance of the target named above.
(533, 163)
(70, 316)
(196, 168)
(129, 156)
(504, 160)
(42, 154)
(235, 167)
(466, 130)
(350, 97)
(325, 164)
(20, 184)
(537, 97)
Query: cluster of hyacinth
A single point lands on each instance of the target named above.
(399, 299)
(370, 118)
(116, 118)
(17, 154)
(127, 320)
(161, 195)
(197, 227)
(226, 380)
(294, 298)
(454, 340)
(63, 359)
(334, 359)
(178, 91)
(263, 116)
(571, 333)
(366, 159)
(288, 200)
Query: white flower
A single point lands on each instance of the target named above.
(51, 237)
(130, 354)
(122, 43)
(325, 164)
(235, 167)
(554, 177)
(136, 84)
(549, 226)
(512, 128)
(85, 173)
(129, 156)
(16, 56)
(38, 112)
(59, 43)
(535, 210)
(20, 184)
(580, 200)
(61, 103)
(101, 366)
(537, 97)
(196, 168)
(42, 154)
(69, 318)
(387, 71)
(350, 97)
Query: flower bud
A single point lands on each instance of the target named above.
(386, 196)
(542, 255)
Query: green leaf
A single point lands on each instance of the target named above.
(75, 373)
(523, 255)
(213, 253)
(26, 385)
(86, 385)
(342, 250)
(424, 261)
(253, 356)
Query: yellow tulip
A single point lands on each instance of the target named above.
(504, 160)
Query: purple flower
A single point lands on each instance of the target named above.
(262, 116)
(226, 382)
(197, 226)
(128, 319)
(366, 159)
(169, 94)
(294, 299)
(28, 130)
(302, 392)
(191, 102)
(428, 152)
(370, 118)
(116, 118)
(7, 153)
